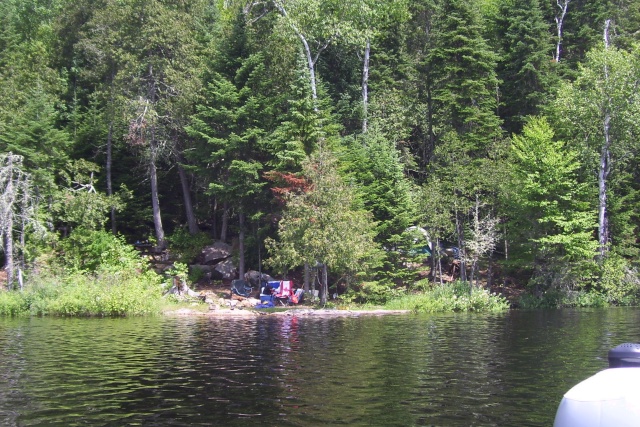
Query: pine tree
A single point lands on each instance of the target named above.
(552, 221)
(463, 77)
(525, 67)
(462, 83)
(550, 204)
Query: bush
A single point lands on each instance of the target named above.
(618, 282)
(375, 293)
(96, 274)
(612, 282)
(558, 298)
(87, 250)
(12, 303)
(186, 247)
(456, 296)
(107, 291)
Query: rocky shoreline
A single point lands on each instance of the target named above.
(297, 312)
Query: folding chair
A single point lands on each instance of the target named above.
(240, 287)
(284, 292)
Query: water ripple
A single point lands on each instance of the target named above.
(278, 371)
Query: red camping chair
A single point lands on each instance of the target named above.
(284, 292)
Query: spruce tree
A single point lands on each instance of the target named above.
(462, 84)
(524, 68)
(463, 76)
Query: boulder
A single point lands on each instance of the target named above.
(253, 278)
(215, 253)
(249, 302)
(226, 270)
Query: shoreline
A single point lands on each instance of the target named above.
(301, 312)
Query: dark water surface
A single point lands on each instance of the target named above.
(444, 370)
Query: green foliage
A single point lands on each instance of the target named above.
(87, 250)
(405, 258)
(599, 113)
(374, 163)
(618, 283)
(455, 296)
(195, 275)
(186, 246)
(104, 292)
(324, 224)
(462, 77)
(76, 75)
(550, 210)
(524, 67)
(78, 204)
(558, 298)
(372, 293)
(13, 303)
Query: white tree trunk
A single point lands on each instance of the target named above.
(186, 197)
(365, 86)
(311, 60)
(155, 200)
(324, 287)
(563, 5)
(9, 265)
(225, 222)
(604, 167)
(108, 177)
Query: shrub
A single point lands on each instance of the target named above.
(87, 250)
(558, 298)
(374, 293)
(186, 246)
(105, 292)
(618, 282)
(456, 296)
(13, 303)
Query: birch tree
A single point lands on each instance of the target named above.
(561, 13)
(600, 111)
(319, 23)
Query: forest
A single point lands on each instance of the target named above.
(317, 136)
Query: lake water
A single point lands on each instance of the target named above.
(444, 370)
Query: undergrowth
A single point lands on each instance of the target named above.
(103, 293)
(456, 296)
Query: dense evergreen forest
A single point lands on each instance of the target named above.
(325, 133)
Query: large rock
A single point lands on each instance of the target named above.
(253, 278)
(226, 269)
(215, 253)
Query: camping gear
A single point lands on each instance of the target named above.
(280, 292)
(267, 291)
(284, 292)
(241, 288)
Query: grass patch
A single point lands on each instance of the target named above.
(101, 293)
(456, 296)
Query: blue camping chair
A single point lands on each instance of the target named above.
(240, 287)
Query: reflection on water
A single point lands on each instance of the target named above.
(447, 370)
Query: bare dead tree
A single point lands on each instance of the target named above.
(143, 132)
(483, 237)
(17, 213)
